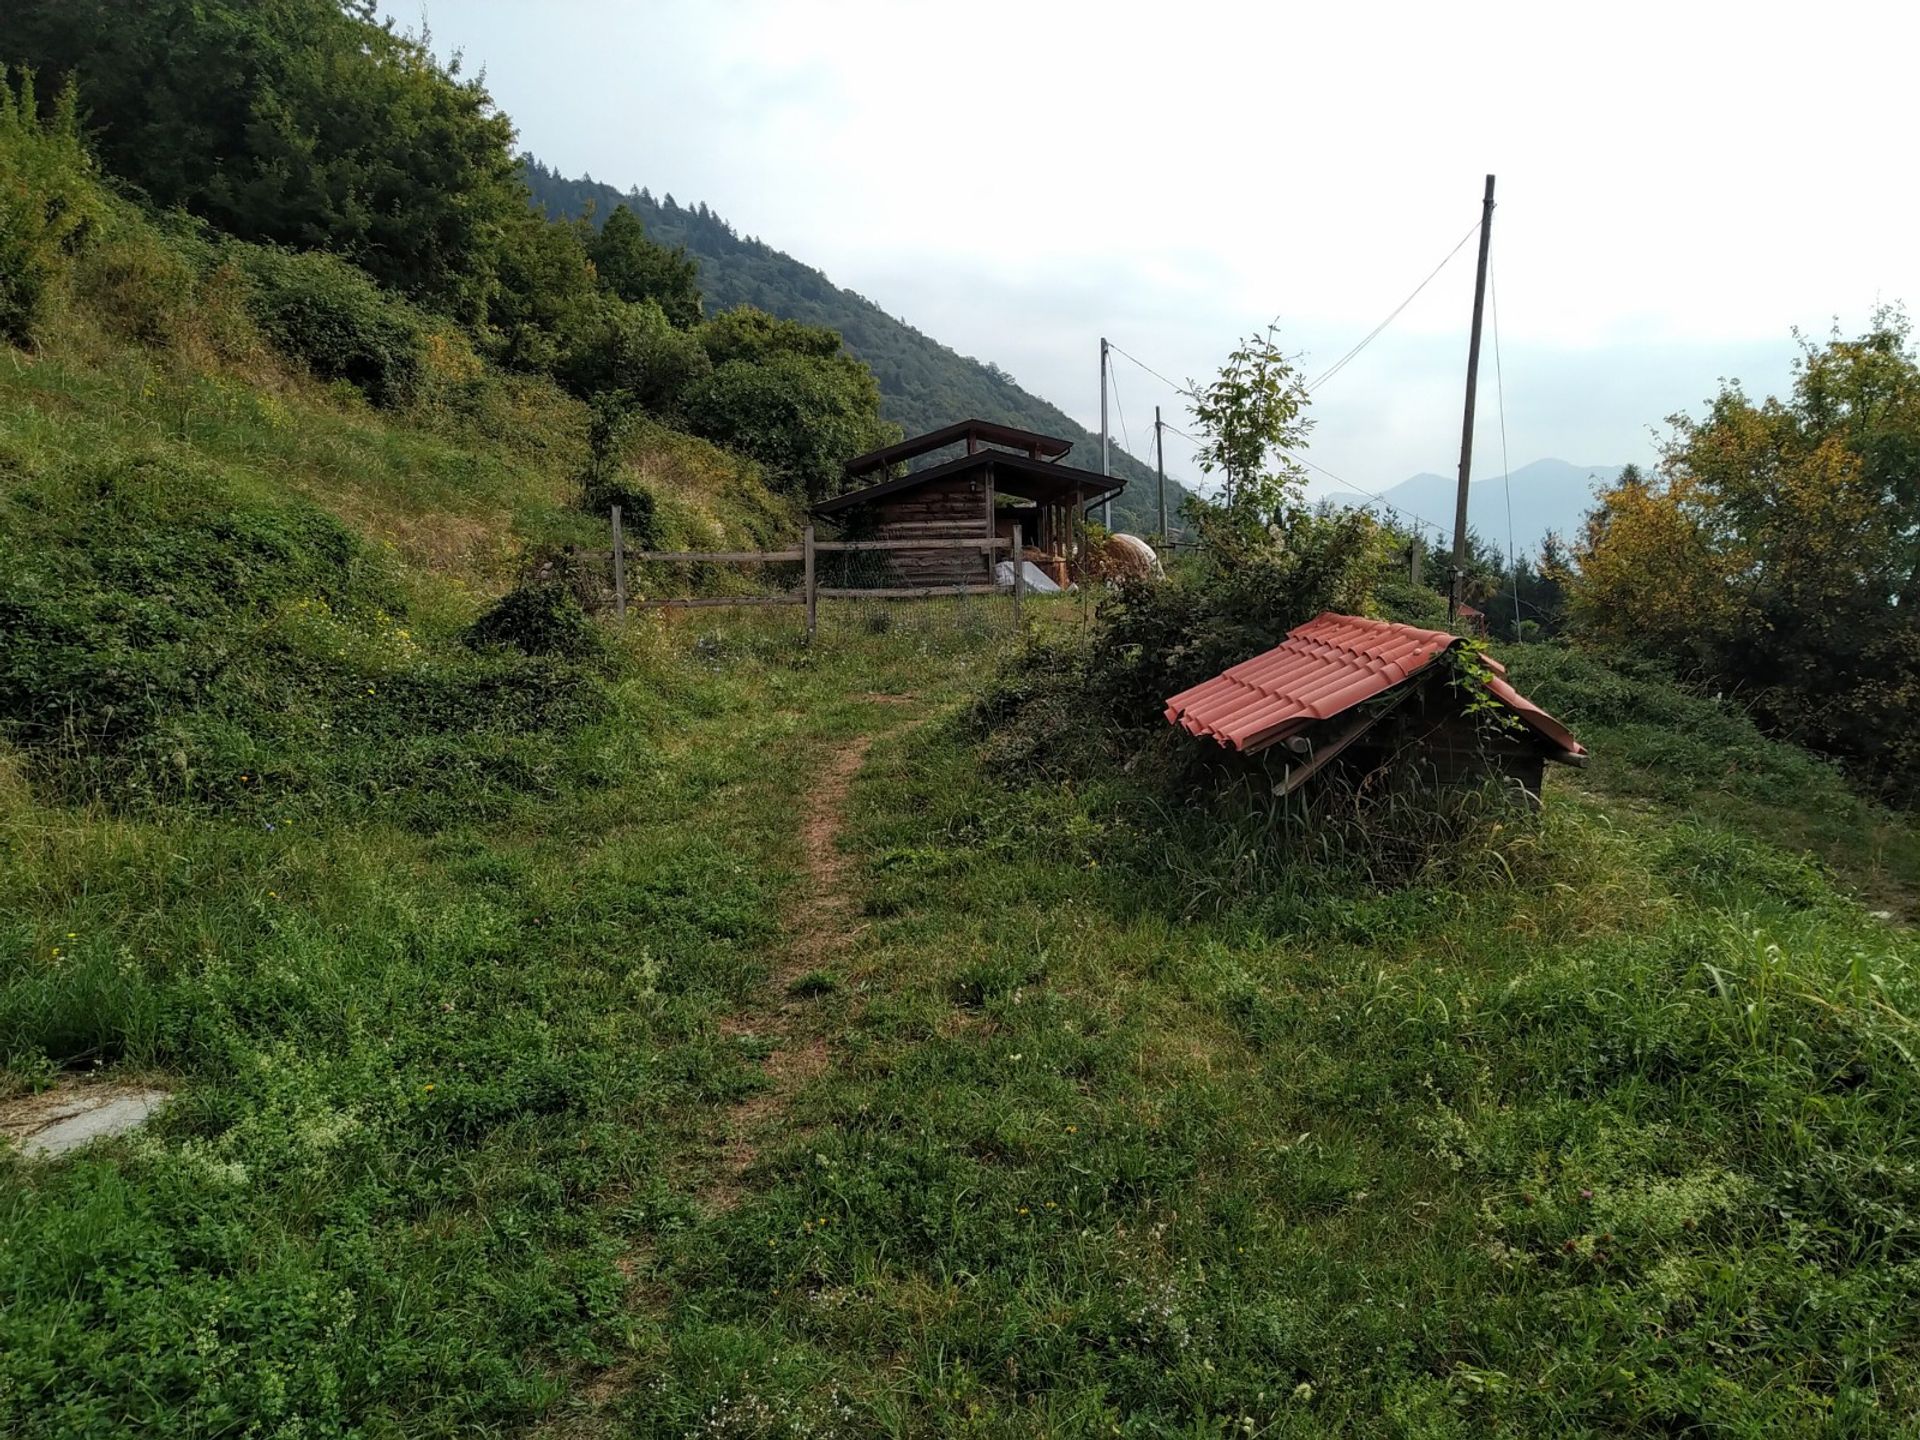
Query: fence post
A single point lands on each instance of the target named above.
(619, 569)
(813, 588)
(1019, 577)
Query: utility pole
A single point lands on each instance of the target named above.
(1106, 501)
(1466, 427)
(1160, 468)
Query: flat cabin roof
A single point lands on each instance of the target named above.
(1042, 481)
(975, 430)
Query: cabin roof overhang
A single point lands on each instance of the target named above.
(1041, 481)
(975, 432)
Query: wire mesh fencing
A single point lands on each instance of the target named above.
(933, 594)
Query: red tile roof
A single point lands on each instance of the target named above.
(1326, 666)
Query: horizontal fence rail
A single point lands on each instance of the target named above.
(812, 592)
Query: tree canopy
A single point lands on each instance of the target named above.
(1776, 552)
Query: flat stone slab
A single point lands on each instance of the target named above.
(75, 1113)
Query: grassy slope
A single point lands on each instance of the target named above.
(1123, 1120)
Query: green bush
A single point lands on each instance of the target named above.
(138, 286)
(168, 643)
(609, 344)
(537, 620)
(330, 317)
(606, 481)
(800, 416)
(48, 203)
(1104, 700)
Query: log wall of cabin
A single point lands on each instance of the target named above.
(955, 509)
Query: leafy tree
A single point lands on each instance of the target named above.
(745, 333)
(546, 289)
(610, 344)
(634, 268)
(800, 415)
(47, 202)
(1777, 552)
(1250, 416)
(302, 122)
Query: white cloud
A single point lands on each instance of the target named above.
(1680, 184)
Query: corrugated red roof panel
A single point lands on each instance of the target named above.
(1326, 666)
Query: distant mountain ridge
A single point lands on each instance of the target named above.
(924, 385)
(1547, 496)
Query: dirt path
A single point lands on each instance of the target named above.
(818, 926)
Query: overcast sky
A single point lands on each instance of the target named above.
(1679, 185)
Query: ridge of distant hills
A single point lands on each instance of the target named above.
(1547, 495)
(924, 385)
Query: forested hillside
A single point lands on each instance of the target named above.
(923, 384)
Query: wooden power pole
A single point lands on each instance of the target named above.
(1160, 468)
(1466, 427)
(1106, 501)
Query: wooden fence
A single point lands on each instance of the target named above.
(811, 591)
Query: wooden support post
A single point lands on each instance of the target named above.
(619, 569)
(813, 588)
(1019, 577)
(989, 532)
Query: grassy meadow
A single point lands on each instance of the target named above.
(689, 1033)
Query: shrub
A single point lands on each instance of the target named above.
(48, 203)
(609, 344)
(539, 619)
(137, 286)
(801, 416)
(606, 481)
(330, 317)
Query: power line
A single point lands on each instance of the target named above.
(1177, 389)
(1380, 499)
(1114, 380)
(1373, 334)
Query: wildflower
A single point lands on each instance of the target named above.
(1023, 1209)
(1303, 1392)
(56, 952)
(73, 934)
(1586, 1194)
(427, 1086)
(1073, 1129)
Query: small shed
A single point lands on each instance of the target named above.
(1369, 697)
(1002, 477)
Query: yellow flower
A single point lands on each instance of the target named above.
(427, 1086)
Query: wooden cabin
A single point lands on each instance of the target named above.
(1367, 698)
(998, 477)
